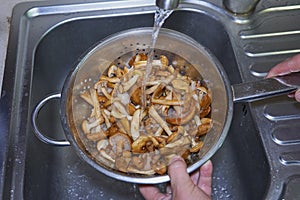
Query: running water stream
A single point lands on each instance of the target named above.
(160, 16)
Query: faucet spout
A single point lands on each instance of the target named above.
(167, 4)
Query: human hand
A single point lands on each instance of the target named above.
(183, 186)
(288, 66)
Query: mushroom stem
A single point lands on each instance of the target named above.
(159, 120)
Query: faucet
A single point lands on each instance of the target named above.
(237, 7)
(167, 4)
(240, 7)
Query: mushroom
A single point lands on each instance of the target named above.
(162, 73)
(141, 164)
(158, 97)
(151, 89)
(151, 126)
(125, 125)
(87, 97)
(104, 156)
(160, 89)
(97, 135)
(135, 124)
(131, 109)
(102, 144)
(106, 114)
(117, 114)
(176, 134)
(135, 96)
(141, 143)
(137, 58)
(124, 98)
(160, 168)
(120, 142)
(171, 69)
(122, 163)
(205, 112)
(165, 108)
(197, 120)
(178, 147)
(166, 80)
(103, 101)
(161, 140)
(138, 162)
(184, 117)
(173, 136)
(196, 147)
(125, 86)
(167, 102)
(96, 104)
(137, 171)
(112, 71)
(137, 139)
(205, 101)
(206, 125)
(159, 120)
(143, 63)
(158, 131)
(88, 125)
(110, 79)
(106, 94)
(113, 129)
(120, 107)
(180, 84)
(119, 72)
(184, 140)
(164, 61)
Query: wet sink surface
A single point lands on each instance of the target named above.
(58, 173)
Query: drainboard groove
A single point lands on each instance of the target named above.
(265, 47)
(290, 158)
(286, 133)
(261, 67)
(282, 111)
(269, 35)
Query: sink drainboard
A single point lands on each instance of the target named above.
(263, 145)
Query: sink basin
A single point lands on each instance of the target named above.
(51, 172)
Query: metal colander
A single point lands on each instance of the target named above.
(119, 49)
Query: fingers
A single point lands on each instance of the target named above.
(178, 174)
(198, 186)
(297, 95)
(286, 67)
(152, 193)
(195, 177)
(206, 177)
(183, 185)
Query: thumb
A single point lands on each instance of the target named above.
(297, 95)
(178, 174)
(288, 66)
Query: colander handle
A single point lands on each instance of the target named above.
(265, 88)
(34, 118)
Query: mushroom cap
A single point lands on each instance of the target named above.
(120, 142)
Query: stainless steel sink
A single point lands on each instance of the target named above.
(46, 41)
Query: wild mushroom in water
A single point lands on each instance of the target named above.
(136, 138)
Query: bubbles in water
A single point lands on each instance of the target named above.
(101, 193)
